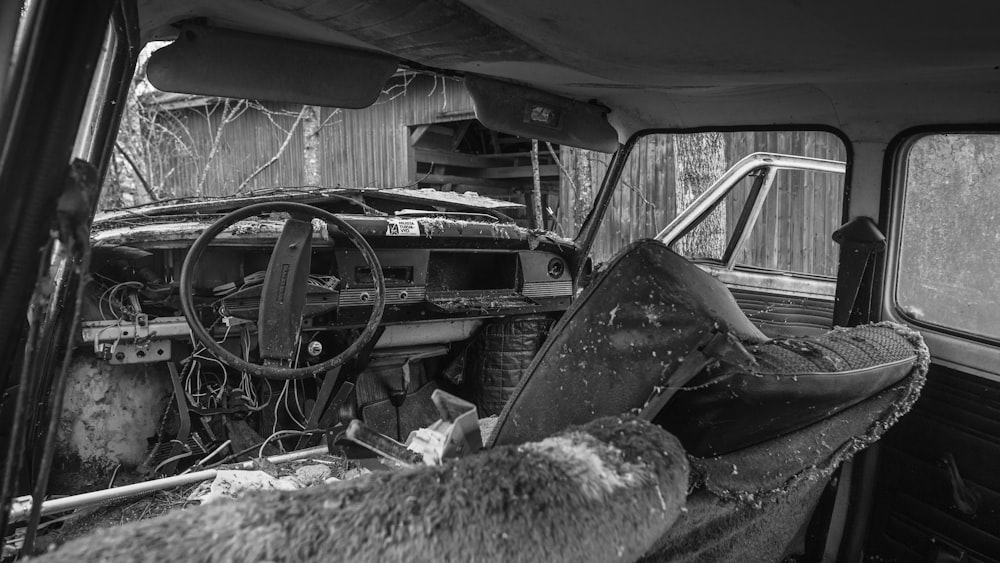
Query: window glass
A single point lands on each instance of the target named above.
(949, 262)
(665, 172)
(794, 228)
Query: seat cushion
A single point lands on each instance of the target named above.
(793, 383)
(748, 505)
(625, 335)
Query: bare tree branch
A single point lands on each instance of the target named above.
(288, 138)
(562, 168)
(637, 192)
(327, 120)
(138, 173)
(229, 114)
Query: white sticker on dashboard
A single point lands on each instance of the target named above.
(403, 228)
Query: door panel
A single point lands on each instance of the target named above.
(927, 506)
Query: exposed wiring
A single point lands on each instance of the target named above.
(172, 459)
(298, 403)
(111, 482)
(214, 453)
(237, 455)
(300, 424)
(113, 299)
(278, 435)
(328, 282)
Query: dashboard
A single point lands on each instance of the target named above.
(443, 277)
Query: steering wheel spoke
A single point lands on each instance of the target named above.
(283, 295)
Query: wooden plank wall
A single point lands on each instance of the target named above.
(369, 147)
(792, 233)
(804, 208)
(246, 143)
(366, 147)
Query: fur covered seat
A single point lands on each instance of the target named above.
(601, 492)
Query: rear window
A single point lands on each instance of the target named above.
(949, 256)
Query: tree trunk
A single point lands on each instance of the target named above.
(310, 130)
(700, 160)
(584, 189)
(537, 220)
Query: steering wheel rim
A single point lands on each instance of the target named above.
(277, 372)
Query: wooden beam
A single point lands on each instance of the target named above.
(418, 132)
(520, 171)
(459, 134)
(490, 192)
(453, 158)
(467, 180)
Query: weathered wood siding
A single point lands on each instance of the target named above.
(366, 147)
(794, 228)
(182, 165)
(370, 147)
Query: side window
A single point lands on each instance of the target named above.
(789, 230)
(949, 262)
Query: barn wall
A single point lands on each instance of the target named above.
(370, 147)
(367, 147)
(183, 163)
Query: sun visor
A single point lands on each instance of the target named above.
(520, 110)
(221, 62)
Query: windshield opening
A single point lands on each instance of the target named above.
(421, 134)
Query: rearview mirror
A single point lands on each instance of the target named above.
(528, 112)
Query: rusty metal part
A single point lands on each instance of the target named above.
(381, 444)
(456, 434)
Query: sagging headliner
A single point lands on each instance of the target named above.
(867, 68)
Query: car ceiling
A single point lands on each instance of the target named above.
(870, 69)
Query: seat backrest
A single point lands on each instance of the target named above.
(624, 336)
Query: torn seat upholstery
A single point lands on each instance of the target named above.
(764, 430)
(624, 336)
(626, 340)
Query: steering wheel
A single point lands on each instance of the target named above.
(282, 296)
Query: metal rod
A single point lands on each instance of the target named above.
(21, 506)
